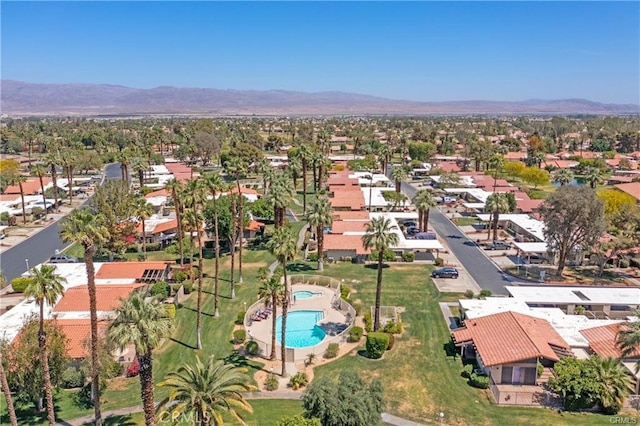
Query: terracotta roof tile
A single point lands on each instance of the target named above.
(632, 189)
(351, 215)
(602, 340)
(30, 187)
(165, 226)
(510, 337)
(76, 299)
(78, 333)
(133, 270)
(340, 227)
(344, 242)
(158, 193)
(254, 225)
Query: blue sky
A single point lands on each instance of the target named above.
(424, 51)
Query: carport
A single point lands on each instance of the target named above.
(527, 249)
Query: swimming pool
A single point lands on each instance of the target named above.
(304, 294)
(302, 329)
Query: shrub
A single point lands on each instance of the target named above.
(357, 306)
(239, 336)
(485, 293)
(131, 248)
(19, 284)
(180, 276)
(154, 247)
(9, 307)
(188, 286)
(469, 294)
(113, 369)
(392, 327)
(162, 289)
(344, 292)
(368, 321)
(634, 262)
(467, 371)
(392, 341)
(388, 256)
(298, 380)
(332, 350)
(439, 261)
(72, 378)
(623, 263)
(480, 382)
(539, 370)
(355, 334)
(252, 348)
(377, 343)
(171, 310)
(145, 190)
(271, 383)
(134, 369)
(408, 256)
(312, 257)
(240, 317)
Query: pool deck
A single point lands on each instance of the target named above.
(332, 323)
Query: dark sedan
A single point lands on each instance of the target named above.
(445, 273)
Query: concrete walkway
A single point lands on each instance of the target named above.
(398, 421)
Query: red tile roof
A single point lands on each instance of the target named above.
(632, 189)
(351, 215)
(344, 242)
(602, 340)
(448, 166)
(76, 299)
(7, 198)
(158, 193)
(133, 270)
(244, 190)
(510, 337)
(340, 227)
(254, 225)
(351, 202)
(30, 187)
(78, 333)
(528, 206)
(165, 226)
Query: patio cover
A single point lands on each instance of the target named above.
(531, 247)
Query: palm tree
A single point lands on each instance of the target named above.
(271, 293)
(7, 394)
(379, 235)
(124, 157)
(283, 246)
(204, 392)
(237, 167)
(143, 322)
(305, 156)
(51, 161)
(39, 171)
(319, 216)
(86, 228)
(593, 176)
(176, 189)
(398, 174)
(279, 195)
(140, 165)
(423, 200)
(68, 163)
(18, 179)
(45, 287)
(216, 186)
(628, 339)
(563, 177)
(616, 382)
(143, 211)
(496, 204)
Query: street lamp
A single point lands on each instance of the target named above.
(27, 262)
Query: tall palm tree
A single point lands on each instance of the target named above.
(86, 228)
(140, 165)
(39, 171)
(45, 287)
(204, 392)
(7, 394)
(423, 200)
(398, 174)
(593, 176)
(319, 216)
(17, 178)
(628, 339)
(237, 167)
(143, 211)
(496, 204)
(283, 246)
(216, 186)
(616, 382)
(68, 163)
(280, 195)
(143, 322)
(563, 177)
(52, 161)
(177, 189)
(304, 152)
(379, 235)
(271, 293)
(124, 157)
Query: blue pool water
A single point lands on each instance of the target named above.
(304, 294)
(302, 329)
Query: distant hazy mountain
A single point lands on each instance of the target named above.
(19, 98)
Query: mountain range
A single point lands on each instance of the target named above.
(30, 99)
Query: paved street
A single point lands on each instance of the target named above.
(483, 270)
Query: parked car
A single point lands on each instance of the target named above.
(412, 230)
(445, 273)
(62, 258)
(498, 245)
(534, 259)
(410, 223)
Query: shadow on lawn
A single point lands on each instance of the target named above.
(121, 420)
(185, 344)
(299, 267)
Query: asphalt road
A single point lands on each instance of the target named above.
(483, 270)
(42, 245)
